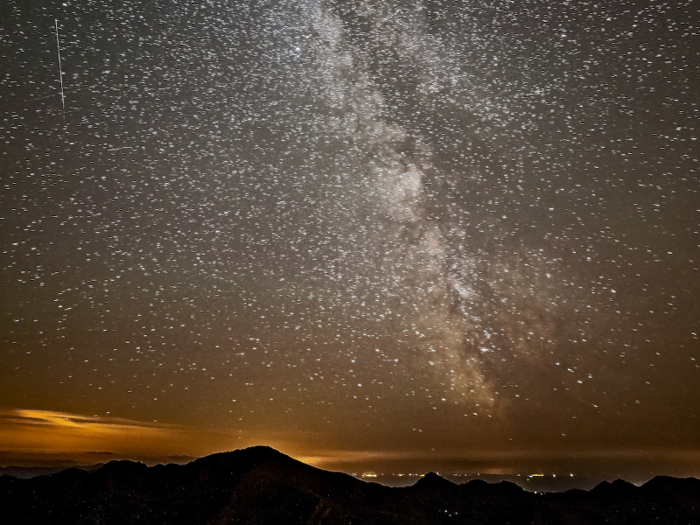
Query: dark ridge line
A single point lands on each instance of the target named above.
(428, 479)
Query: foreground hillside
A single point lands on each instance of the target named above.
(262, 486)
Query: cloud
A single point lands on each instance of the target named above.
(45, 431)
(65, 419)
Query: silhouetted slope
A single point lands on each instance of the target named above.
(262, 486)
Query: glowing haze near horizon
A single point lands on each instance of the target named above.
(419, 232)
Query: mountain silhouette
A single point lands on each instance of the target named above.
(260, 485)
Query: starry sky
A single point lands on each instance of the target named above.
(417, 233)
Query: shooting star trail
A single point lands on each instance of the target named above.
(60, 72)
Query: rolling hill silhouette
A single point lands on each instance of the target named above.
(260, 485)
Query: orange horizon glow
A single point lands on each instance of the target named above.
(25, 431)
(30, 437)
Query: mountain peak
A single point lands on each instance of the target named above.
(433, 479)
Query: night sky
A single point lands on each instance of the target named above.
(407, 234)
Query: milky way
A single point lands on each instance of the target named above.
(361, 226)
